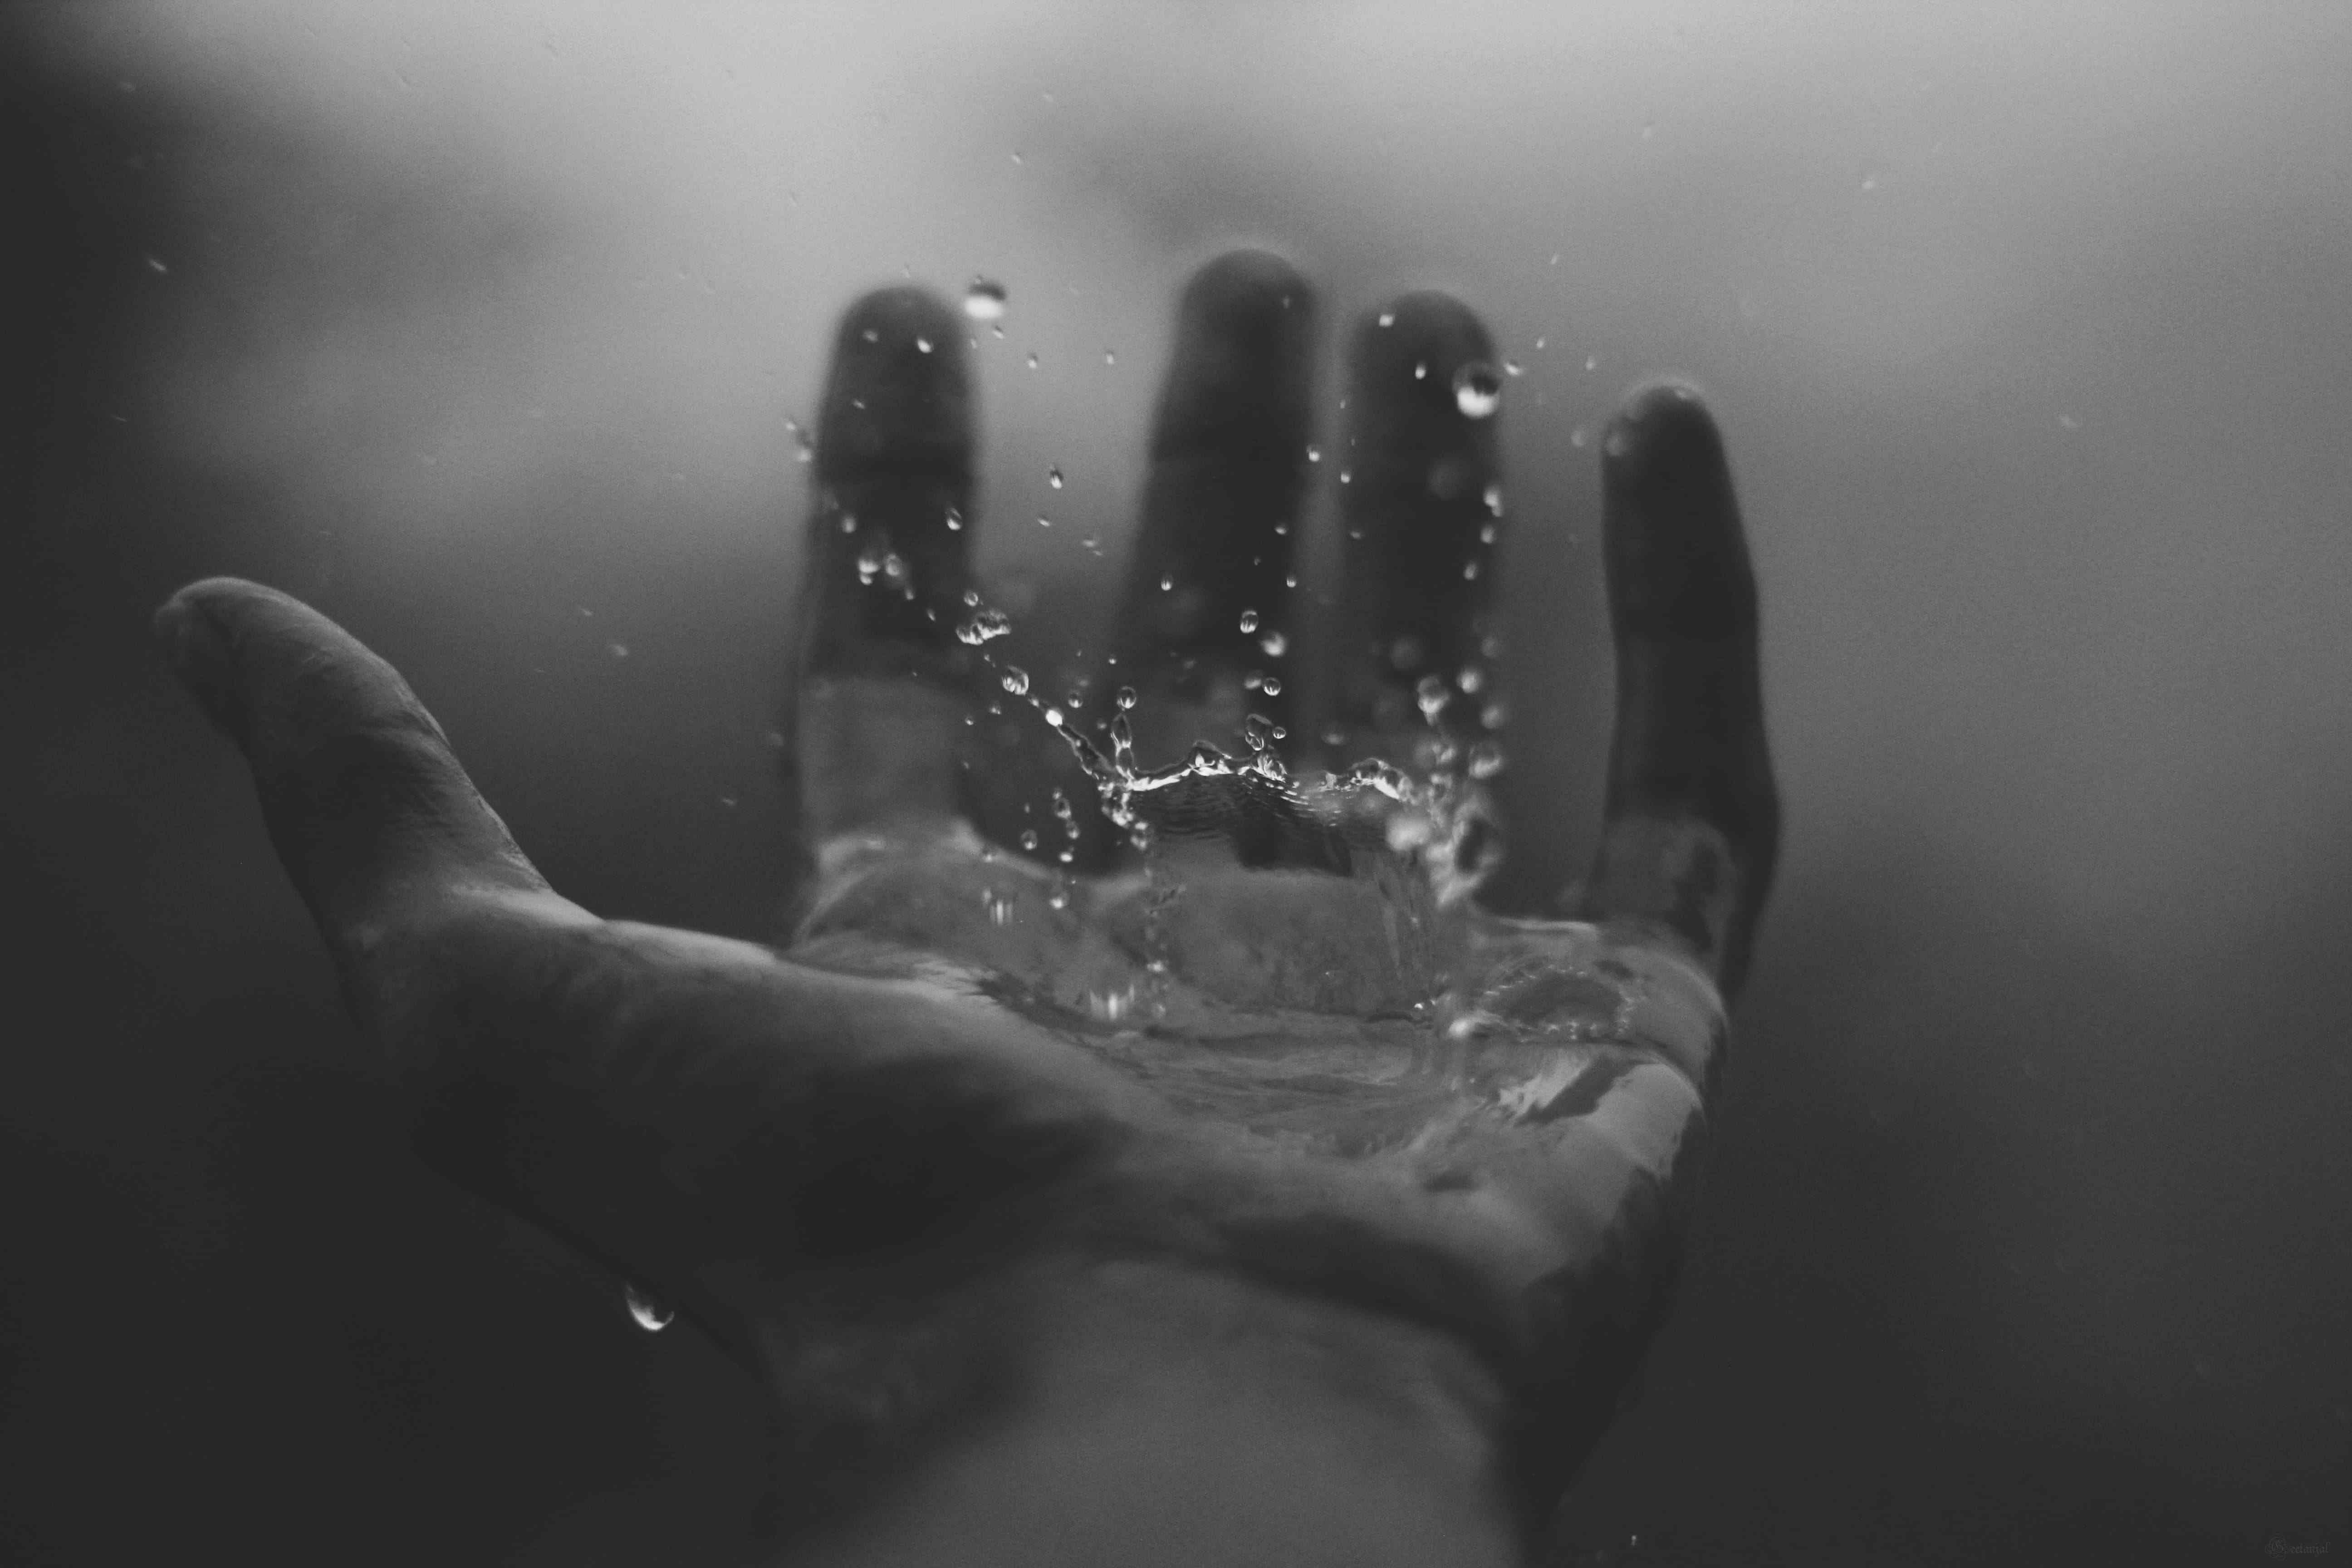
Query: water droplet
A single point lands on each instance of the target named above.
(1592, 362)
(1074, 698)
(1110, 358)
(1334, 735)
(1486, 533)
(617, 649)
(1469, 571)
(1496, 714)
(870, 563)
(1059, 899)
(923, 345)
(1477, 391)
(1470, 679)
(984, 300)
(1388, 318)
(1167, 585)
(1494, 500)
(1028, 838)
(1870, 182)
(1579, 436)
(848, 523)
(1275, 644)
(1421, 370)
(1259, 731)
(1539, 344)
(970, 597)
(1273, 684)
(985, 626)
(1485, 760)
(1432, 696)
(1045, 522)
(1054, 476)
(871, 336)
(955, 520)
(1511, 367)
(1033, 361)
(1249, 620)
(1314, 454)
(1016, 680)
(1124, 698)
(651, 1315)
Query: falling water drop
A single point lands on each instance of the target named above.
(1054, 476)
(984, 300)
(985, 626)
(923, 345)
(1016, 680)
(651, 1315)
(1028, 838)
(1125, 699)
(1275, 644)
(1249, 620)
(1432, 696)
(1477, 391)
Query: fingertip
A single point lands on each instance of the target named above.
(1244, 287)
(899, 394)
(195, 631)
(1676, 554)
(1662, 423)
(1244, 326)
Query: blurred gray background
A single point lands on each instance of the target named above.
(480, 328)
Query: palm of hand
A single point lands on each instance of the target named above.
(854, 1164)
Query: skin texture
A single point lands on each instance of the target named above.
(1018, 1294)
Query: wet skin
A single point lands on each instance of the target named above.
(1015, 1298)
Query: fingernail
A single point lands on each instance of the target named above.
(198, 652)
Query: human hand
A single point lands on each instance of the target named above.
(993, 1142)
